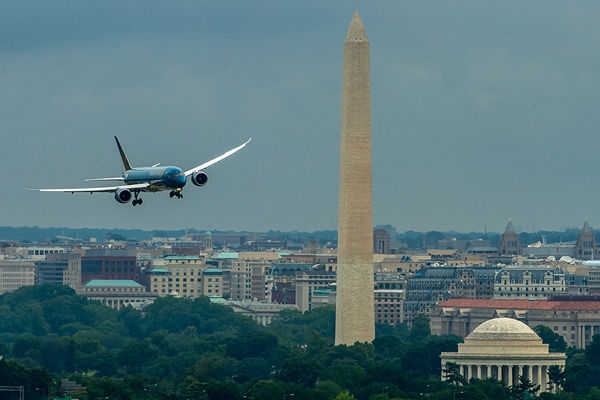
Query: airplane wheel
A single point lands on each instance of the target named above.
(181, 195)
(134, 202)
(171, 194)
(140, 202)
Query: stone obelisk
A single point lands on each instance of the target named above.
(354, 319)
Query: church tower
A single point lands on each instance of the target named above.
(509, 244)
(586, 248)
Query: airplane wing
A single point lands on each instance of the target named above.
(112, 189)
(119, 178)
(216, 160)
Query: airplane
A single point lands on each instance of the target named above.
(150, 179)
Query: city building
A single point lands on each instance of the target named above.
(593, 274)
(381, 242)
(117, 293)
(109, 264)
(193, 244)
(402, 264)
(545, 250)
(38, 252)
(514, 282)
(212, 282)
(322, 297)
(308, 282)
(59, 269)
(389, 301)
(586, 247)
(327, 261)
(184, 276)
(281, 279)
(16, 274)
(389, 305)
(509, 243)
(575, 318)
(263, 313)
(474, 282)
(433, 285)
(245, 274)
(504, 349)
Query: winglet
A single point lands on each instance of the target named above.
(123, 156)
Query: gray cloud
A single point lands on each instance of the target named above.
(480, 111)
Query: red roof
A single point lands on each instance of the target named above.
(524, 304)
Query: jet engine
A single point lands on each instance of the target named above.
(122, 195)
(199, 178)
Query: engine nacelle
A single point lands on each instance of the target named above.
(123, 196)
(199, 178)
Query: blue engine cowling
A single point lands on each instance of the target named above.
(122, 196)
(199, 178)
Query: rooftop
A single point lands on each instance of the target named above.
(502, 329)
(213, 271)
(112, 283)
(524, 304)
(226, 255)
(158, 271)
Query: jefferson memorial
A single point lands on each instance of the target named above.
(504, 349)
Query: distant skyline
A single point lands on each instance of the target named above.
(480, 111)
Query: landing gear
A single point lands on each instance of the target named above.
(176, 193)
(136, 201)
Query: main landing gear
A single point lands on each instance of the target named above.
(177, 193)
(136, 201)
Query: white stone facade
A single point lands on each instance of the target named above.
(505, 349)
(522, 282)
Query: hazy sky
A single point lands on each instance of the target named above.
(480, 111)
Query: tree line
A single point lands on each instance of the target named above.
(193, 349)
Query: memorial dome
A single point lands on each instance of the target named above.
(503, 329)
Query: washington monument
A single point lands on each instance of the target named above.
(354, 318)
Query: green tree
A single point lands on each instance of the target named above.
(592, 351)
(326, 390)
(347, 373)
(420, 327)
(135, 353)
(555, 341)
(485, 389)
(452, 373)
(524, 389)
(594, 394)
(577, 374)
(556, 376)
(266, 390)
(301, 369)
(224, 390)
(345, 395)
